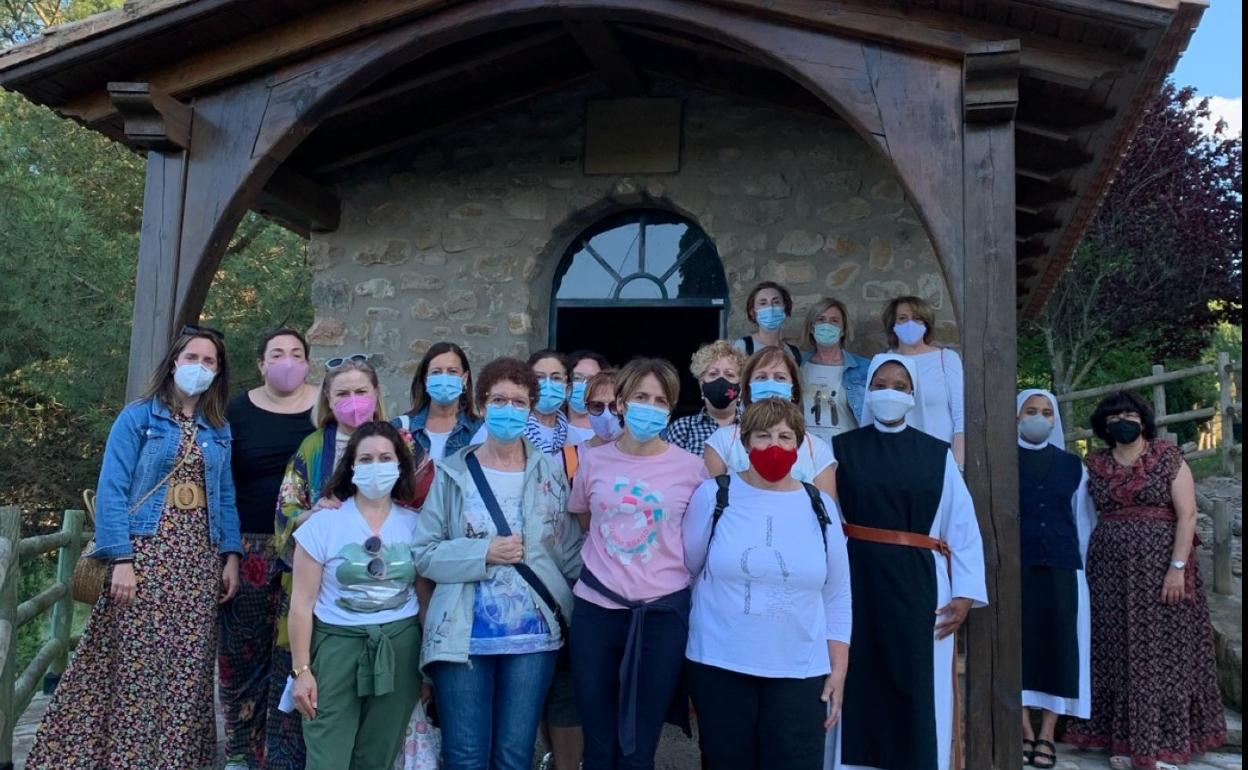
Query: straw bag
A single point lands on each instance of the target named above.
(90, 574)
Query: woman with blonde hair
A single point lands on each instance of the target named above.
(138, 691)
(910, 324)
(771, 373)
(833, 379)
(717, 368)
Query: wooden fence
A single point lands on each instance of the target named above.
(16, 689)
(1222, 424)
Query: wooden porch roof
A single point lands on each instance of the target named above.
(1088, 70)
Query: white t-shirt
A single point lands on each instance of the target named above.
(579, 435)
(813, 456)
(766, 597)
(350, 594)
(940, 412)
(437, 443)
(505, 616)
(824, 401)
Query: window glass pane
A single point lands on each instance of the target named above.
(585, 279)
(618, 246)
(663, 246)
(641, 288)
(701, 275)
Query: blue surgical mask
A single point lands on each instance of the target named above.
(505, 423)
(444, 388)
(827, 334)
(760, 389)
(645, 421)
(193, 379)
(910, 332)
(576, 402)
(770, 317)
(550, 396)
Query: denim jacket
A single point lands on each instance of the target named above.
(853, 379)
(142, 448)
(448, 556)
(461, 435)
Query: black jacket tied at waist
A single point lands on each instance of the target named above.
(678, 710)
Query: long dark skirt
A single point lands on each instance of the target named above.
(1051, 631)
(1154, 681)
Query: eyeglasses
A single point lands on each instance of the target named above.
(196, 330)
(598, 407)
(559, 378)
(376, 565)
(501, 401)
(339, 361)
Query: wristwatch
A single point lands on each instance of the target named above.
(1178, 564)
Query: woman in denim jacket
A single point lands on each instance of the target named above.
(491, 638)
(138, 692)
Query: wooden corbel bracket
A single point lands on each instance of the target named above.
(154, 120)
(990, 82)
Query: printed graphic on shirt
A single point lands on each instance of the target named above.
(767, 588)
(381, 580)
(821, 390)
(630, 528)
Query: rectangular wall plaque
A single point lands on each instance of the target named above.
(632, 136)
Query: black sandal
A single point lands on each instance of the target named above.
(1029, 752)
(1047, 760)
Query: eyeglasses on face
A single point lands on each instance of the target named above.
(555, 377)
(196, 330)
(501, 401)
(338, 361)
(598, 407)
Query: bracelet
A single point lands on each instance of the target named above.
(299, 671)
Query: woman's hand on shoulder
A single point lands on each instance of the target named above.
(328, 502)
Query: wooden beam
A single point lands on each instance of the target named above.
(301, 204)
(990, 83)
(989, 345)
(597, 41)
(1061, 114)
(153, 119)
(692, 44)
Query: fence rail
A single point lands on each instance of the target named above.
(17, 688)
(1230, 405)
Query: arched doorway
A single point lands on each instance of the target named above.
(642, 281)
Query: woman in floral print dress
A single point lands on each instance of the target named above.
(138, 693)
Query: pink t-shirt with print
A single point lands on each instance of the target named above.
(636, 506)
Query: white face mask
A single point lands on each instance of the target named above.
(193, 379)
(889, 405)
(375, 480)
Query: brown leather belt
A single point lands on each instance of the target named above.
(927, 543)
(896, 537)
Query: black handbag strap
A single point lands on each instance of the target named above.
(504, 529)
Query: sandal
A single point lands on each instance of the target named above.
(1029, 750)
(1046, 760)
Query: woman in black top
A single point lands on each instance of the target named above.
(268, 424)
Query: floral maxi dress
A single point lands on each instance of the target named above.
(1154, 682)
(137, 694)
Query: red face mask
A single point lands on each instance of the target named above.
(774, 462)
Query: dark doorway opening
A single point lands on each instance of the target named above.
(624, 332)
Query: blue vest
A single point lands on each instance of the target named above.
(1050, 537)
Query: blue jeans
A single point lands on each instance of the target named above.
(490, 709)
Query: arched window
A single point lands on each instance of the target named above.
(640, 282)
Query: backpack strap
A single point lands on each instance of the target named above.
(795, 352)
(821, 513)
(721, 502)
(571, 460)
(748, 341)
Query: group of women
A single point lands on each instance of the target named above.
(540, 548)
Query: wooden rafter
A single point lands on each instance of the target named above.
(600, 46)
(299, 203)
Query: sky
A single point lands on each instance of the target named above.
(1213, 62)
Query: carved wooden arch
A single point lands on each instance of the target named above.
(907, 106)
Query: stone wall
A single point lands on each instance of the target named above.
(460, 237)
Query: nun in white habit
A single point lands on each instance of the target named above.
(1056, 521)
(917, 559)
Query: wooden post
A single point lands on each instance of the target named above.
(990, 348)
(10, 574)
(1159, 402)
(1224, 409)
(1223, 580)
(63, 613)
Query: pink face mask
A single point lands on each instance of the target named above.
(286, 374)
(354, 411)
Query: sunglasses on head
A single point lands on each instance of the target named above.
(338, 361)
(196, 330)
(376, 565)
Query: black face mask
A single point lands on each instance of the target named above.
(720, 392)
(1124, 431)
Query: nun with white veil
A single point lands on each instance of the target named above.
(1056, 520)
(917, 559)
